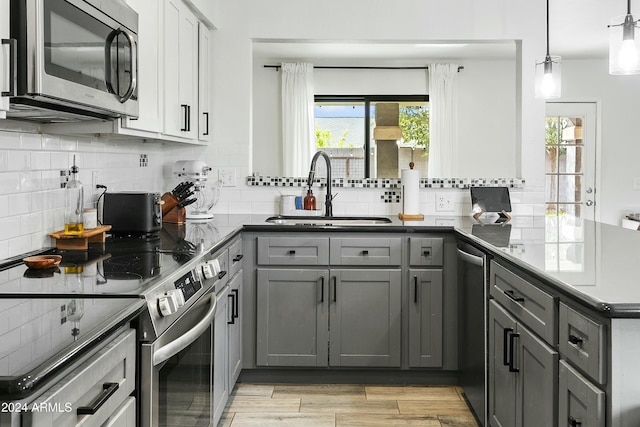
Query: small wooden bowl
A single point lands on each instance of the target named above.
(42, 261)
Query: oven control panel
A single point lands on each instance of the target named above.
(189, 284)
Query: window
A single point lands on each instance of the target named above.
(345, 128)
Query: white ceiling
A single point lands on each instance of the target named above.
(577, 30)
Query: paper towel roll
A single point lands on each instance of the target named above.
(410, 191)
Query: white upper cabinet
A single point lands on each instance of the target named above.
(204, 83)
(5, 62)
(206, 10)
(150, 70)
(181, 70)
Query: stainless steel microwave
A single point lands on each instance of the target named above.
(72, 60)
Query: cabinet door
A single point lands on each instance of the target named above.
(204, 84)
(579, 401)
(181, 70)
(425, 318)
(502, 383)
(292, 317)
(150, 67)
(220, 355)
(235, 329)
(365, 318)
(538, 371)
(4, 57)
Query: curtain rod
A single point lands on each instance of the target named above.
(351, 67)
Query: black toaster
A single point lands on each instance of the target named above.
(132, 213)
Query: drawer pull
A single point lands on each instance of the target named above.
(322, 289)
(426, 253)
(365, 252)
(222, 274)
(237, 302)
(233, 309)
(107, 391)
(512, 350)
(415, 288)
(335, 289)
(238, 258)
(512, 296)
(574, 423)
(505, 345)
(292, 252)
(575, 340)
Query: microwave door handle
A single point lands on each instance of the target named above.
(174, 347)
(133, 63)
(13, 67)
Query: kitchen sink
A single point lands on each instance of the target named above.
(324, 220)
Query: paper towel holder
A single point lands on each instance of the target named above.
(410, 217)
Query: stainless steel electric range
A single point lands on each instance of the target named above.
(51, 320)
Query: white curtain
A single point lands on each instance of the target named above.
(298, 131)
(443, 103)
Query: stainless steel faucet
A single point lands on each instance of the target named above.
(328, 207)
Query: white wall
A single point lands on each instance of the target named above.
(486, 113)
(618, 96)
(242, 21)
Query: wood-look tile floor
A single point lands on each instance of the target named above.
(338, 405)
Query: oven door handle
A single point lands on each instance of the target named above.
(174, 347)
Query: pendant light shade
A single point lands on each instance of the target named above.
(624, 44)
(548, 72)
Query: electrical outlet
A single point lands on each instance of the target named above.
(444, 202)
(227, 177)
(95, 180)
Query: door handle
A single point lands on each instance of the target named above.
(206, 121)
(589, 203)
(133, 65)
(185, 117)
(505, 345)
(322, 289)
(236, 303)
(512, 350)
(13, 67)
(233, 304)
(415, 288)
(335, 289)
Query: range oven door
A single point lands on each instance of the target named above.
(70, 53)
(177, 370)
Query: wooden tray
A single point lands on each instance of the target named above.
(81, 241)
(414, 217)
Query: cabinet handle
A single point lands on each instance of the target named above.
(365, 252)
(185, 117)
(292, 252)
(222, 274)
(574, 423)
(206, 121)
(322, 289)
(575, 340)
(238, 258)
(512, 350)
(237, 302)
(233, 304)
(188, 118)
(108, 389)
(512, 296)
(335, 289)
(415, 288)
(13, 67)
(505, 345)
(426, 253)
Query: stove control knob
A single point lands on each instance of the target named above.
(207, 271)
(170, 302)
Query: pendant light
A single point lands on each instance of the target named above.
(548, 72)
(624, 46)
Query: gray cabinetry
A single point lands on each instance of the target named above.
(366, 251)
(425, 318)
(581, 403)
(523, 372)
(364, 317)
(292, 317)
(220, 354)
(293, 251)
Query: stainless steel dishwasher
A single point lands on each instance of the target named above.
(472, 274)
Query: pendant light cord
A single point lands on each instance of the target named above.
(548, 27)
(628, 7)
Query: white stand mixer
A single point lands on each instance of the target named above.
(205, 192)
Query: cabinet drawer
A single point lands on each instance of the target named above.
(366, 251)
(235, 257)
(580, 402)
(581, 341)
(426, 251)
(526, 301)
(293, 251)
(113, 364)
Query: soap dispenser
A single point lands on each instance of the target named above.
(309, 202)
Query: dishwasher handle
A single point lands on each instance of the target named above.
(174, 347)
(471, 259)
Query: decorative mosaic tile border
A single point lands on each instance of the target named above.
(275, 181)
